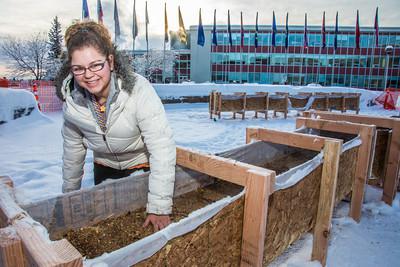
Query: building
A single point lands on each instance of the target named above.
(367, 67)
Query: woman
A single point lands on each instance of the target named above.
(116, 114)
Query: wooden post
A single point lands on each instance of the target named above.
(251, 133)
(392, 166)
(332, 151)
(361, 175)
(259, 186)
(11, 253)
(219, 97)
(211, 103)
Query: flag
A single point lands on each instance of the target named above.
(135, 29)
(201, 39)
(358, 31)
(229, 29)
(214, 37)
(181, 31)
(305, 32)
(335, 44)
(99, 12)
(147, 27)
(376, 26)
(241, 30)
(117, 30)
(287, 31)
(323, 32)
(85, 10)
(166, 39)
(273, 41)
(256, 33)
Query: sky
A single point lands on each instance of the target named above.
(24, 17)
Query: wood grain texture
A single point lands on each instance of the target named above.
(11, 253)
(332, 151)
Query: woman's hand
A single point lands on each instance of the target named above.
(158, 221)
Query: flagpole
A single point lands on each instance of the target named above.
(165, 32)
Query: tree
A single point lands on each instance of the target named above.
(55, 39)
(151, 66)
(29, 55)
(55, 49)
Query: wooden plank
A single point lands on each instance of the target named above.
(9, 210)
(329, 125)
(305, 141)
(7, 180)
(355, 118)
(11, 253)
(392, 167)
(332, 151)
(41, 253)
(362, 168)
(259, 187)
(392, 171)
(226, 169)
(251, 133)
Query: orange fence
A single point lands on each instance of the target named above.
(46, 93)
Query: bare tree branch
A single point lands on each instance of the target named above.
(29, 55)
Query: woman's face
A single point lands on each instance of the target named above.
(92, 70)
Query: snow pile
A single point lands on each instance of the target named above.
(166, 91)
(15, 103)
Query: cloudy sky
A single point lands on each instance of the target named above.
(25, 17)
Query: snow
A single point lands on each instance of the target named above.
(31, 149)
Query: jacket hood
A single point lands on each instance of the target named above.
(122, 70)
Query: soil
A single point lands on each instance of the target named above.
(286, 162)
(116, 232)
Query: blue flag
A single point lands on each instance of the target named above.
(305, 32)
(214, 37)
(256, 33)
(201, 39)
(287, 31)
(376, 27)
(274, 30)
(85, 10)
(117, 29)
(335, 44)
(229, 29)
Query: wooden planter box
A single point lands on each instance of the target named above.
(241, 102)
(386, 161)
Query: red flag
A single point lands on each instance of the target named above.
(99, 12)
(376, 26)
(358, 32)
(323, 32)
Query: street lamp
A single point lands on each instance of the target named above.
(388, 51)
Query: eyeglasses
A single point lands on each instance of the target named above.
(95, 67)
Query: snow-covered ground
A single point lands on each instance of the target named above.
(31, 152)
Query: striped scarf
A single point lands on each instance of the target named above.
(100, 112)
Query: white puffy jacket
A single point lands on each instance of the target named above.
(137, 132)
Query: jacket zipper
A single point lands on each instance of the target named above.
(109, 148)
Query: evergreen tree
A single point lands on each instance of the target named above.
(55, 39)
(55, 54)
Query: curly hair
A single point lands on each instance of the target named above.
(88, 33)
